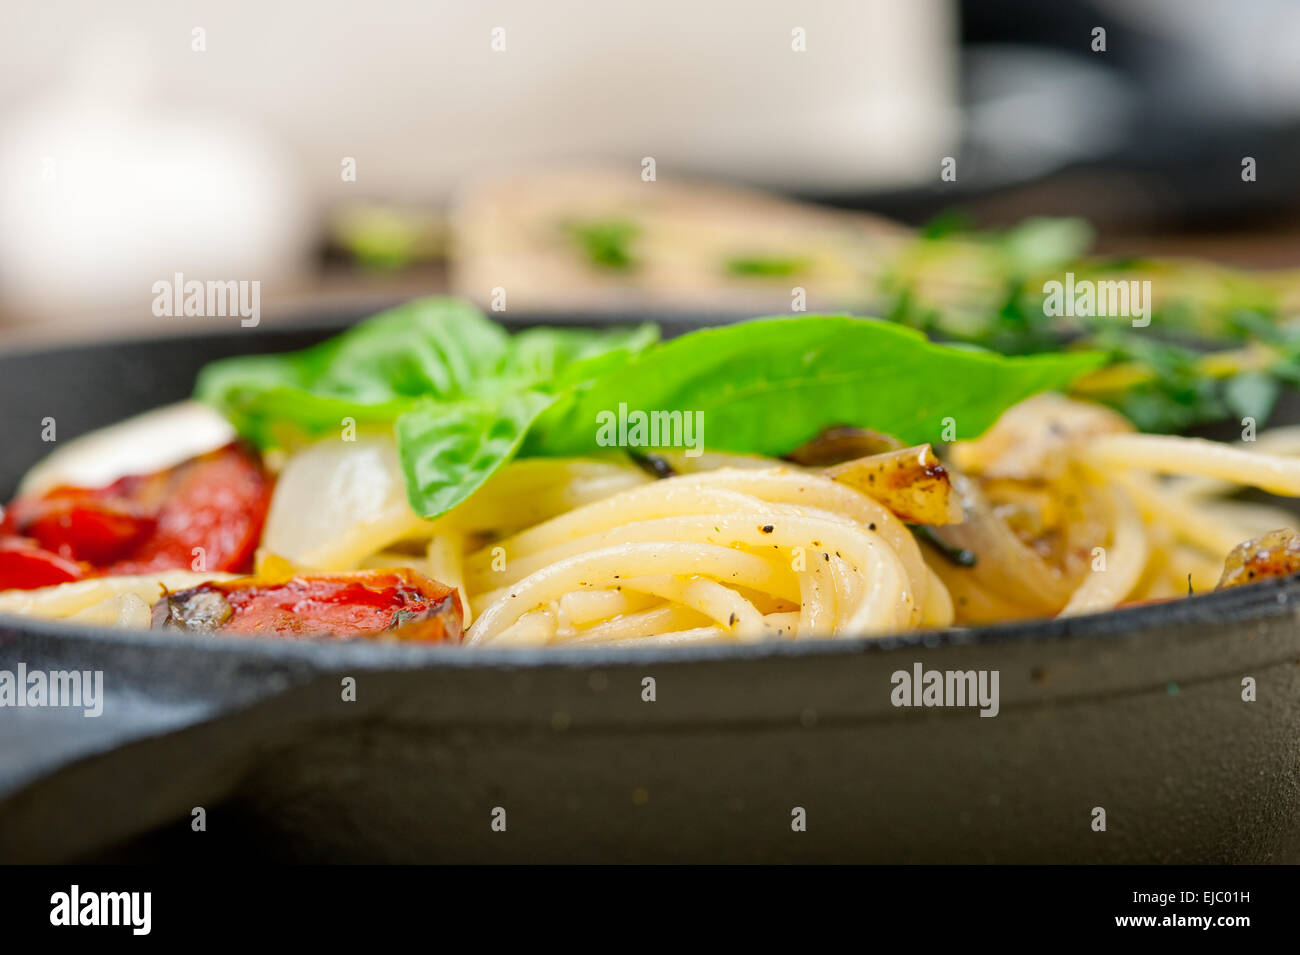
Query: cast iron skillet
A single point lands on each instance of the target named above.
(1138, 712)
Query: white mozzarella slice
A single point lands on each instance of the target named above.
(149, 442)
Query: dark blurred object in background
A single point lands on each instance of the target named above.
(1148, 133)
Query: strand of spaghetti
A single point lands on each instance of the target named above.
(599, 569)
(788, 486)
(783, 625)
(732, 612)
(683, 638)
(699, 493)
(1253, 518)
(810, 609)
(1156, 575)
(121, 610)
(63, 600)
(767, 603)
(1279, 441)
(1169, 454)
(521, 561)
(1126, 557)
(826, 594)
(820, 602)
(645, 623)
(1204, 572)
(564, 627)
(533, 629)
(1186, 520)
(446, 565)
(886, 602)
(813, 534)
(1172, 568)
(817, 600)
(737, 566)
(665, 498)
(886, 599)
(759, 514)
(584, 607)
(844, 584)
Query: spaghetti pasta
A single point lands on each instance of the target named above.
(722, 555)
(1059, 509)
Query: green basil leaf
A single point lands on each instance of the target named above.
(463, 397)
(554, 358)
(373, 372)
(283, 416)
(766, 386)
(441, 349)
(449, 449)
(430, 347)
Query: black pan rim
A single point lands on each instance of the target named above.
(1263, 600)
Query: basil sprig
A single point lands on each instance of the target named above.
(463, 397)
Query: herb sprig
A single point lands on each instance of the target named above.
(463, 397)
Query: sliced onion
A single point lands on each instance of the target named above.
(1003, 564)
(338, 502)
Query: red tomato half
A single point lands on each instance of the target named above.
(203, 514)
(25, 566)
(399, 603)
(80, 524)
(216, 502)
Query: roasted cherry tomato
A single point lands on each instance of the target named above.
(80, 524)
(216, 501)
(205, 513)
(1275, 554)
(26, 566)
(398, 603)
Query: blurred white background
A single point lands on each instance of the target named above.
(126, 154)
